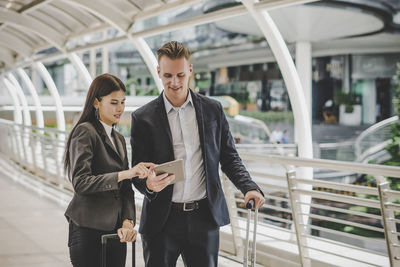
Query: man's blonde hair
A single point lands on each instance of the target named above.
(173, 50)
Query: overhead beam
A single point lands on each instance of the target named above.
(42, 29)
(15, 44)
(6, 56)
(106, 12)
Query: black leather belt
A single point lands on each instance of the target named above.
(189, 206)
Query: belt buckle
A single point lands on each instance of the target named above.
(189, 209)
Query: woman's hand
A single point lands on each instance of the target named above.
(126, 233)
(142, 170)
(159, 182)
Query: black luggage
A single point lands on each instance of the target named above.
(104, 239)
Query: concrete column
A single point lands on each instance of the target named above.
(92, 62)
(105, 63)
(304, 69)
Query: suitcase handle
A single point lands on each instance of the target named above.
(250, 205)
(104, 239)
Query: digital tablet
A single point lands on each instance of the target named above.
(172, 167)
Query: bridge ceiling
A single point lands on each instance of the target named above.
(29, 28)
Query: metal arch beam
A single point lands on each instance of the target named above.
(34, 25)
(32, 90)
(17, 108)
(22, 99)
(54, 93)
(149, 59)
(301, 116)
(122, 23)
(107, 12)
(16, 44)
(290, 76)
(81, 68)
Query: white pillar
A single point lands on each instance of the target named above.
(22, 99)
(92, 62)
(105, 62)
(54, 93)
(38, 106)
(149, 59)
(81, 69)
(304, 69)
(368, 102)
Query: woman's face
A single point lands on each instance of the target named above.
(111, 107)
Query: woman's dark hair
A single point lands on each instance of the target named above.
(101, 86)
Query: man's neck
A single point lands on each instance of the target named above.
(177, 102)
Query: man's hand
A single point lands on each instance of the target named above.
(259, 200)
(159, 182)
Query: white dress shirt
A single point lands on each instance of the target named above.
(186, 142)
(108, 129)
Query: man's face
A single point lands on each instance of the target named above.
(175, 74)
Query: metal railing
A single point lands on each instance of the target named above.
(346, 225)
(374, 139)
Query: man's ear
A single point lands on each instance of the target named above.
(158, 71)
(191, 68)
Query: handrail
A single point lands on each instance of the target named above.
(372, 169)
(371, 130)
(43, 159)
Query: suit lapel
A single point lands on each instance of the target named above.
(108, 143)
(119, 145)
(200, 119)
(164, 119)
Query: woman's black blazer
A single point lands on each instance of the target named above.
(99, 201)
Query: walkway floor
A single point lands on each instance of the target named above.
(33, 230)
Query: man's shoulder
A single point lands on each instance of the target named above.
(146, 109)
(208, 101)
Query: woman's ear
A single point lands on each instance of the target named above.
(96, 103)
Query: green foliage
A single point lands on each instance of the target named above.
(394, 147)
(396, 91)
(348, 99)
(269, 116)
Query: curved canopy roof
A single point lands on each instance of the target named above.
(35, 29)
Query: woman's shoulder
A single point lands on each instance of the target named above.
(86, 129)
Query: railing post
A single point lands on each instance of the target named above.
(388, 222)
(299, 224)
(233, 214)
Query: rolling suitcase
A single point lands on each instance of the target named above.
(104, 239)
(250, 205)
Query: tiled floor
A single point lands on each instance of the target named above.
(33, 230)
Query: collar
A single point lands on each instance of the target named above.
(169, 106)
(107, 127)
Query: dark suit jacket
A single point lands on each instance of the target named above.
(152, 142)
(99, 201)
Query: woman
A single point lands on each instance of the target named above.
(97, 164)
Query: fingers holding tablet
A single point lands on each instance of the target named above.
(157, 183)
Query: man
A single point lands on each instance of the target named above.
(184, 218)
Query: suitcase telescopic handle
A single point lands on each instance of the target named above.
(104, 239)
(251, 204)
